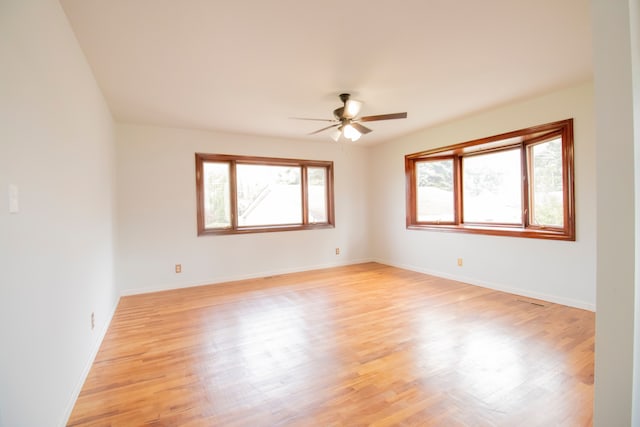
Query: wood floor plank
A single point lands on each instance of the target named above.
(359, 345)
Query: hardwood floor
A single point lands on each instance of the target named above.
(351, 346)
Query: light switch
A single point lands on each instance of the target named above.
(13, 199)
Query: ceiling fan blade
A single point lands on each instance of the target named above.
(362, 129)
(320, 130)
(315, 120)
(384, 117)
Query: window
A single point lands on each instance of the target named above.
(515, 184)
(239, 194)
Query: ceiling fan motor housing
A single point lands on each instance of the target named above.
(339, 112)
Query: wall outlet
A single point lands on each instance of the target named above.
(337, 251)
(13, 199)
(178, 268)
(93, 320)
(459, 262)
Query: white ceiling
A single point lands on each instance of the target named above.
(248, 66)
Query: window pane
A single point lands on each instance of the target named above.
(492, 187)
(317, 194)
(216, 195)
(546, 184)
(268, 195)
(435, 201)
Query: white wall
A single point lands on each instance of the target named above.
(157, 211)
(635, 75)
(556, 271)
(617, 263)
(56, 254)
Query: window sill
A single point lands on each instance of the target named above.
(532, 233)
(263, 229)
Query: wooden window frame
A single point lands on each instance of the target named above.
(521, 139)
(234, 160)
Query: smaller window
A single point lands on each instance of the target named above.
(216, 200)
(435, 197)
(546, 187)
(241, 194)
(318, 195)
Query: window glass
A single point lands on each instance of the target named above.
(546, 186)
(317, 193)
(435, 198)
(268, 195)
(492, 187)
(217, 208)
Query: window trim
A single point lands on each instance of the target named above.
(234, 160)
(523, 139)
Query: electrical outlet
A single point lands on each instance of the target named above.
(13, 199)
(178, 268)
(459, 262)
(93, 320)
(337, 251)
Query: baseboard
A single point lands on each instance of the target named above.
(85, 372)
(497, 287)
(234, 278)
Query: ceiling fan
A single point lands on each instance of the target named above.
(347, 123)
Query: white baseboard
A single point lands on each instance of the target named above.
(85, 372)
(497, 287)
(234, 278)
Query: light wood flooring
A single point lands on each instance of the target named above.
(360, 345)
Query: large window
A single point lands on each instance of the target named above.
(238, 194)
(515, 184)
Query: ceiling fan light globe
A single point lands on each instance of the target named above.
(352, 108)
(351, 133)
